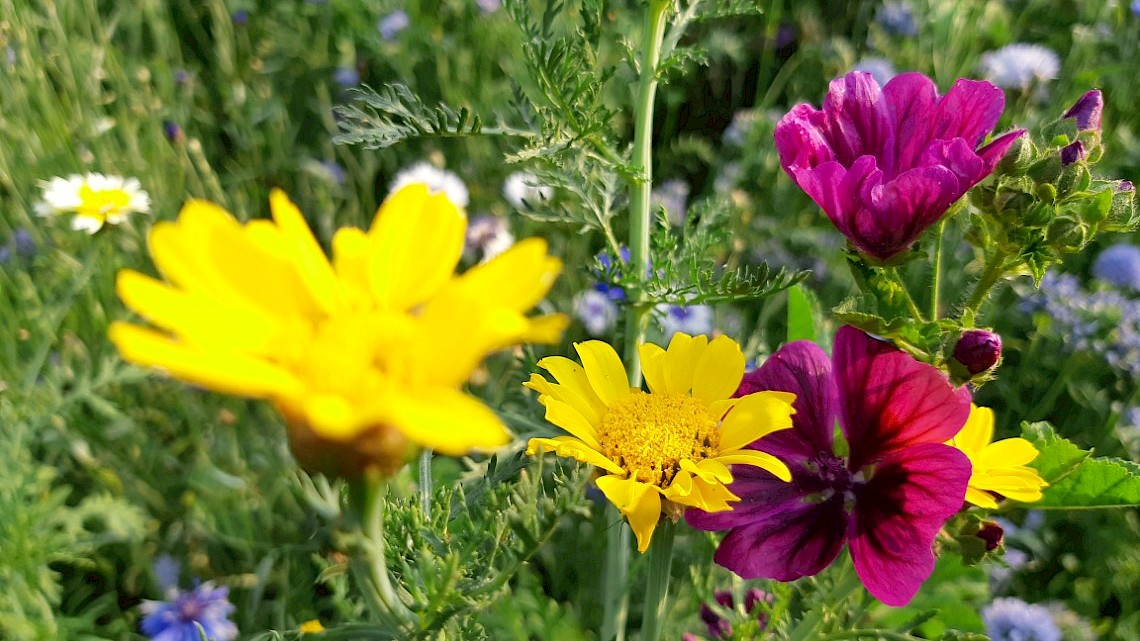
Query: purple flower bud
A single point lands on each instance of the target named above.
(1087, 110)
(1125, 187)
(724, 598)
(755, 596)
(991, 533)
(172, 131)
(978, 350)
(1071, 153)
(719, 628)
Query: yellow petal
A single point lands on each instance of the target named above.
(572, 377)
(710, 497)
(586, 408)
(756, 458)
(518, 278)
(681, 361)
(415, 243)
(604, 370)
(312, 265)
(980, 498)
(719, 370)
(755, 416)
(350, 256)
(569, 418)
(221, 371)
(707, 470)
(640, 503)
(570, 447)
(1007, 453)
(546, 329)
(653, 366)
(978, 431)
(446, 420)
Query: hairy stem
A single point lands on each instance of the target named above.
(995, 269)
(936, 276)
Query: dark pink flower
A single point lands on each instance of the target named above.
(886, 164)
(1087, 110)
(888, 498)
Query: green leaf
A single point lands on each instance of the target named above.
(801, 314)
(1076, 479)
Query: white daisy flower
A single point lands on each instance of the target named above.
(522, 190)
(94, 200)
(487, 237)
(437, 180)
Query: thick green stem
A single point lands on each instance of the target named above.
(911, 305)
(936, 277)
(615, 597)
(368, 562)
(657, 585)
(995, 269)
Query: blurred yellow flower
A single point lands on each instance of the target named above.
(668, 449)
(1000, 468)
(365, 355)
(312, 626)
(93, 200)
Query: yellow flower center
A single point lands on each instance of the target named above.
(649, 434)
(98, 204)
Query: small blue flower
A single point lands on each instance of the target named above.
(20, 244)
(1020, 65)
(597, 311)
(673, 196)
(241, 17)
(392, 24)
(1119, 265)
(691, 320)
(346, 76)
(897, 18)
(179, 617)
(334, 171)
(488, 6)
(1011, 619)
(172, 131)
(1135, 7)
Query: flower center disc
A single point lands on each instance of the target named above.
(102, 202)
(649, 434)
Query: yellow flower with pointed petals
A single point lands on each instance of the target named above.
(363, 355)
(1000, 468)
(668, 449)
(312, 626)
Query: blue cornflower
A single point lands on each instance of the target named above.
(1011, 619)
(1020, 65)
(21, 244)
(897, 18)
(880, 69)
(346, 76)
(1119, 265)
(179, 617)
(392, 24)
(691, 320)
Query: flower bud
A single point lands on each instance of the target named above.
(978, 350)
(1072, 153)
(991, 533)
(1086, 111)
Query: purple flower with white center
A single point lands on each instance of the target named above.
(487, 237)
(1011, 619)
(392, 24)
(1087, 111)
(885, 164)
(597, 312)
(688, 319)
(1119, 265)
(887, 498)
(897, 18)
(880, 69)
(346, 76)
(1020, 65)
(184, 613)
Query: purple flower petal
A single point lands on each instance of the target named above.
(762, 495)
(799, 541)
(856, 118)
(911, 100)
(970, 110)
(898, 513)
(993, 152)
(803, 369)
(896, 213)
(889, 400)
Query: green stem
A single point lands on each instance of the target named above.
(911, 305)
(425, 485)
(936, 277)
(615, 597)
(994, 270)
(369, 563)
(616, 579)
(657, 586)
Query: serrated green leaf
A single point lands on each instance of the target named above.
(1076, 479)
(801, 314)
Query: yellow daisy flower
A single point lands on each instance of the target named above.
(1000, 468)
(365, 355)
(668, 449)
(93, 200)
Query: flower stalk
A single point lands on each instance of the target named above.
(368, 562)
(657, 585)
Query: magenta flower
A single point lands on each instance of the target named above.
(888, 498)
(886, 164)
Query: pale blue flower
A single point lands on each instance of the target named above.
(880, 69)
(392, 24)
(346, 76)
(597, 311)
(673, 196)
(1119, 265)
(691, 320)
(1020, 65)
(897, 18)
(1011, 619)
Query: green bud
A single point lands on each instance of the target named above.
(1097, 207)
(1017, 160)
(1045, 192)
(1045, 170)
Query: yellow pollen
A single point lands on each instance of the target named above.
(649, 434)
(98, 204)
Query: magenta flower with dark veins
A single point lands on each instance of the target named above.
(887, 498)
(886, 164)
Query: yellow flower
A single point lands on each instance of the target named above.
(312, 626)
(94, 200)
(365, 355)
(670, 448)
(999, 468)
